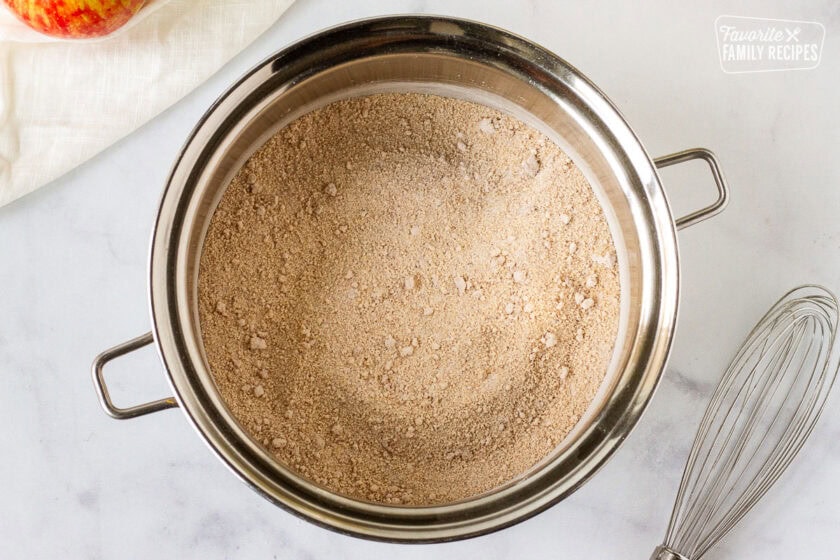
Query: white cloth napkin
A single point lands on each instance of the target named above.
(62, 102)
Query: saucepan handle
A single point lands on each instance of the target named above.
(722, 187)
(102, 390)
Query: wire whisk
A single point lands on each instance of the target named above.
(762, 411)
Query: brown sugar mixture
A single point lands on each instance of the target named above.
(407, 298)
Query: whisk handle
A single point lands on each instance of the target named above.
(662, 552)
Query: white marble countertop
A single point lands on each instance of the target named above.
(76, 484)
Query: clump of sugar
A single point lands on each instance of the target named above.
(400, 311)
(460, 284)
(257, 343)
(531, 165)
(485, 125)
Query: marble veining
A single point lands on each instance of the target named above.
(78, 485)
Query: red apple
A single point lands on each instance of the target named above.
(75, 19)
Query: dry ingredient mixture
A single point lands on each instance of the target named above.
(407, 298)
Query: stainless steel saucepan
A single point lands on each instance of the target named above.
(454, 58)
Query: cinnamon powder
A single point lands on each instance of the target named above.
(408, 299)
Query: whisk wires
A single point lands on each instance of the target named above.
(761, 413)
